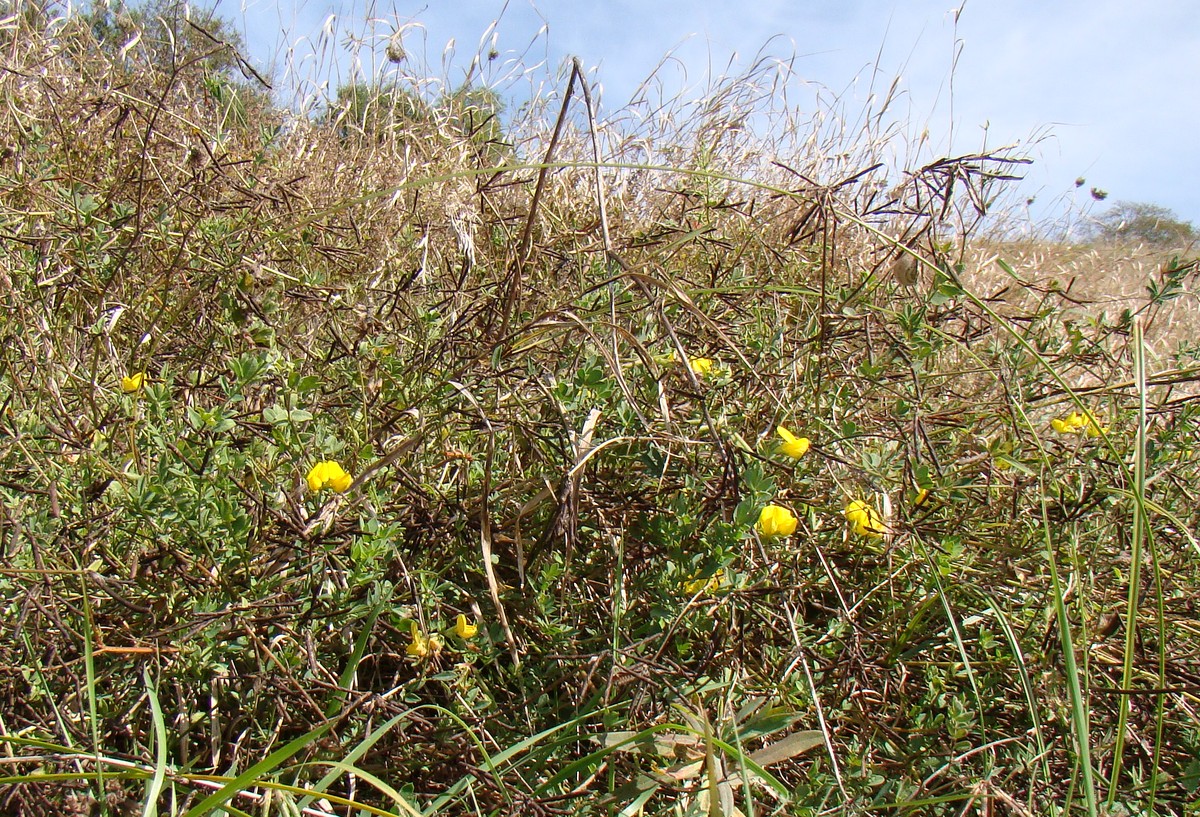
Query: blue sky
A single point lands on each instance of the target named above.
(1107, 90)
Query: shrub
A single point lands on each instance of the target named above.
(1131, 221)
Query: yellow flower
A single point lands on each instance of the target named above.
(792, 446)
(419, 647)
(709, 585)
(465, 629)
(919, 499)
(1075, 422)
(864, 519)
(133, 383)
(328, 474)
(775, 520)
(1069, 424)
(702, 366)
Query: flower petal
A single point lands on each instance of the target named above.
(328, 474)
(864, 520)
(465, 629)
(419, 646)
(792, 446)
(775, 520)
(133, 382)
(317, 476)
(339, 481)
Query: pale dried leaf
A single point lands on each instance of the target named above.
(794, 744)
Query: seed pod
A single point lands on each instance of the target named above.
(905, 270)
(395, 49)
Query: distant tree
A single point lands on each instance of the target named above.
(1129, 221)
(167, 34)
(192, 45)
(470, 112)
(372, 110)
(475, 113)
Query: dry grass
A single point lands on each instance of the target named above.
(1097, 282)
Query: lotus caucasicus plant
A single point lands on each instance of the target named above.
(133, 382)
(420, 645)
(328, 474)
(705, 585)
(776, 520)
(864, 519)
(701, 366)
(464, 628)
(792, 446)
(1075, 422)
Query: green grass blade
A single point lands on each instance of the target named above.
(1135, 565)
(154, 789)
(1080, 719)
(341, 767)
(1014, 645)
(352, 661)
(89, 664)
(263, 767)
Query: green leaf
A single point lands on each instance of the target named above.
(758, 484)
(264, 767)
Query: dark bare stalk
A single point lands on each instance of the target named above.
(512, 296)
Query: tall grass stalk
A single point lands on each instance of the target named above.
(1133, 601)
(90, 636)
(1077, 684)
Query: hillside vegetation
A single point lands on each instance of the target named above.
(421, 457)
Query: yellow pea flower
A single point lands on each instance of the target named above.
(1075, 422)
(419, 646)
(792, 446)
(465, 629)
(709, 585)
(133, 382)
(775, 520)
(328, 474)
(921, 496)
(1069, 424)
(702, 366)
(864, 519)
